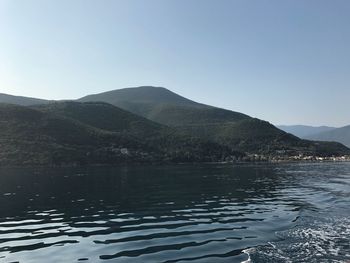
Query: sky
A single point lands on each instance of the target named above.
(285, 61)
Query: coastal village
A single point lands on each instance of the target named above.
(292, 158)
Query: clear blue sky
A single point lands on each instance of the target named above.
(285, 61)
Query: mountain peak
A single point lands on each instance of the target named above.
(142, 94)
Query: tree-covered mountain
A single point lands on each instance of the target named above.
(233, 129)
(304, 131)
(93, 133)
(19, 100)
(165, 107)
(341, 135)
(144, 124)
(103, 116)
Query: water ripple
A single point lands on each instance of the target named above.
(176, 214)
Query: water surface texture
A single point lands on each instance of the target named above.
(185, 213)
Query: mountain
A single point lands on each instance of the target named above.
(19, 100)
(233, 129)
(145, 124)
(103, 116)
(304, 131)
(140, 95)
(341, 135)
(93, 133)
(163, 106)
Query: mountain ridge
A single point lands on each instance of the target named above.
(341, 135)
(233, 129)
(157, 116)
(141, 94)
(303, 131)
(21, 100)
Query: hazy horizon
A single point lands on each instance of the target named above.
(286, 62)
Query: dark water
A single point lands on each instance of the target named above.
(207, 213)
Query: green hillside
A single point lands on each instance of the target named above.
(73, 133)
(159, 124)
(103, 116)
(238, 131)
(29, 136)
(141, 100)
(140, 95)
(177, 115)
(163, 106)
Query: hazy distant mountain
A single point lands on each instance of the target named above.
(19, 100)
(303, 131)
(341, 135)
(236, 130)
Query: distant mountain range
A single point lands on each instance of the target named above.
(304, 131)
(144, 124)
(341, 135)
(322, 133)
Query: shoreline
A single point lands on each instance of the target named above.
(273, 161)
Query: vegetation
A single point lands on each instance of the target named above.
(235, 130)
(71, 133)
(145, 124)
(103, 116)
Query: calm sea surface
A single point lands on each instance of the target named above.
(185, 213)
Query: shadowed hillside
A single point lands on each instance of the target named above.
(233, 129)
(163, 106)
(142, 100)
(93, 133)
(103, 116)
(157, 124)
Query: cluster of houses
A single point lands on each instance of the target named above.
(296, 158)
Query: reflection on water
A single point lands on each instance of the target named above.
(199, 213)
